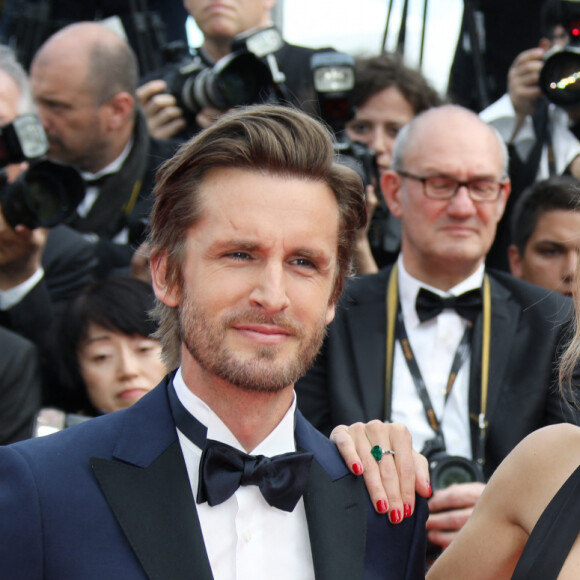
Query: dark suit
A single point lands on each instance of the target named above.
(20, 386)
(111, 499)
(347, 382)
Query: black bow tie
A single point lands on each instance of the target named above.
(98, 181)
(282, 479)
(429, 304)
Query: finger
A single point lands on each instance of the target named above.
(459, 495)
(441, 538)
(345, 443)
(422, 476)
(355, 448)
(397, 472)
(531, 54)
(149, 90)
(451, 520)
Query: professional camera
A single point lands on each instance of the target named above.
(333, 76)
(47, 193)
(447, 469)
(560, 75)
(239, 78)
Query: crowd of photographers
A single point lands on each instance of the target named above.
(83, 134)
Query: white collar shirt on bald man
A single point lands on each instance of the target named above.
(245, 538)
(434, 343)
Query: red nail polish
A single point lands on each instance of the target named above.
(407, 510)
(357, 468)
(395, 516)
(382, 506)
(430, 490)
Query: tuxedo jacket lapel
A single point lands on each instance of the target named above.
(155, 508)
(147, 487)
(336, 509)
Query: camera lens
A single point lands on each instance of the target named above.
(560, 77)
(448, 470)
(237, 79)
(44, 196)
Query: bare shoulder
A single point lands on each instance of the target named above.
(514, 499)
(536, 469)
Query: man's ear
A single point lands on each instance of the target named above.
(516, 261)
(169, 294)
(504, 195)
(119, 107)
(330, 312)
(391, 190)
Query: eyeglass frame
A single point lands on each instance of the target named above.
(459, 184)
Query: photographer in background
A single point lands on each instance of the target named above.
(415, 342)
(387, 94)
(40, 269)
(539, 133)
(83, 79)
(220, 23)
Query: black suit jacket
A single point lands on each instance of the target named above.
(529, 325)
(111, 499)
(20, 387)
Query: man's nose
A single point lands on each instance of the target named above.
(379, 141)
(270, 292)
(461, 203)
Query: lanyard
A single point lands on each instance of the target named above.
(461, 355)
(393, 314)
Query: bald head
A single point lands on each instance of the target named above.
(449, 127)
(99, 58)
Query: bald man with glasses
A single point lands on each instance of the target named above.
(465, 357)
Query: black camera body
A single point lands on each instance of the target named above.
(445, 469)
(239, 78)
(560, 75)
(47, 193)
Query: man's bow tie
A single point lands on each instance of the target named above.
(429, 304)
(282, 479)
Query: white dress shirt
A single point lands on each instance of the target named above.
(12, 296)
(245, 538)
(565, 145)
(434, 343)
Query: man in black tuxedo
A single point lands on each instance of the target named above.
(84, 79)
(247, 276)
(392, 353)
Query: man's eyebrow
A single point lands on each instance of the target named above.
(548, 242)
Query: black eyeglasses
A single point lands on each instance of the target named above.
(445, 188)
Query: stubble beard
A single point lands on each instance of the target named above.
(267, 371)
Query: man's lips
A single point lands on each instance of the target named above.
(264, 333)
(132, 392)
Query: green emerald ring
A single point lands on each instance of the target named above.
(377, 452)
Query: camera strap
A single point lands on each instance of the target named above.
(461, 355)
(396, 331)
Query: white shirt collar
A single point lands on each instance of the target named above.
(280, 440)
(113, 167)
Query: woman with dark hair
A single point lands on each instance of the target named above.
(106, 357)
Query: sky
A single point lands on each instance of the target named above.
(357, 27)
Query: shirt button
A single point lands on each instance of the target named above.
(246, 536)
